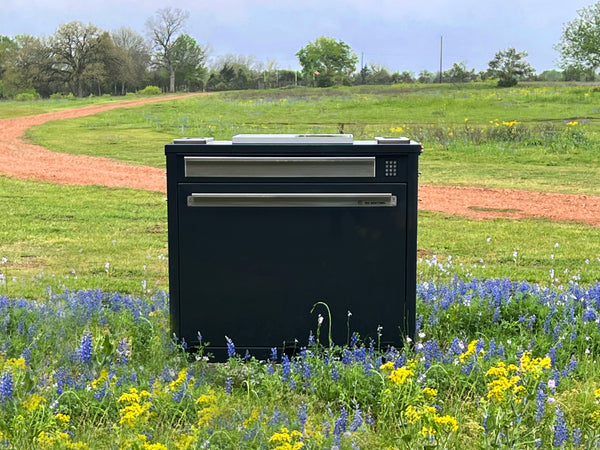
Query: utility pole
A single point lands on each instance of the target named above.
(441, 53)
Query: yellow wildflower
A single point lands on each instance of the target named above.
(534, 366)
(387, 367)
(185, 442)
(447, 421)
(573, 123)
(471, 348)
(207, 413)
(412, 415)
(430, 392)
(181, 377)
(401, 375)
(254, 415)
(427, 431)
(157, 446)
(597, 393)
(285, 439)
(15, 363)
(62, 418)
(33, 402)
(137, 408)
(101, 378)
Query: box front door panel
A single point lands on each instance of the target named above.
(255, 257)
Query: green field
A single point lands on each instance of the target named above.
(474, 135)
(495, 362)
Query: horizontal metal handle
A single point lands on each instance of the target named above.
(265, 166)
(291, 200)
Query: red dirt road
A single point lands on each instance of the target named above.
(22, 160)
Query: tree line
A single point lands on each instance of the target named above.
(81, 60)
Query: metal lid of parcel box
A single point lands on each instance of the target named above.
(292, 139)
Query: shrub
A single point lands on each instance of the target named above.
(150, 90)
(30, 94)
(61, 96)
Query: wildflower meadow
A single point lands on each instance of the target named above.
(507, 346)
(494, 364)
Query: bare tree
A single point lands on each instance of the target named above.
(133, 58)
(164, 28)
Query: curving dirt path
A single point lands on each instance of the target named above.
(23, 160)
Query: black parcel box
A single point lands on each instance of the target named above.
(263, 227)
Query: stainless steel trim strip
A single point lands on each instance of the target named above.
(280, 167)
(317, 199)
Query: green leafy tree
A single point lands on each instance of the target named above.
(164, 28)
(188, 60)
(75, 48)
(327, 61)
(509, 66)
(459, 74)
(579, 46)
(28, 67)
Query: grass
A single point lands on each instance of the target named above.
(524, 131)
(80, 237)
(14, 108)
(495, 363)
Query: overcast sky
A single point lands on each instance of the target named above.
(399, 35)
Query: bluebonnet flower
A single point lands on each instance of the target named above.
(6, 386)
(286, 368)
(357, 421)
(367, 368)
(354, 340)
(251, 434)
(537, 443)
(302, 415)
(84, 351)
(456, 347)
(540, 401)
(270, 369)
(101, 393)
(561, 433)
(552, 355)
(577, 437)
(496, 316)
(500, 351)
(306, 371)
(326, 428)
(571, 366)
(370, 420)
(274, 354)
(360, 354)
(275, 418)
(335, 374)
(491, 350)
(230, 347)
(123, 351)
(292, 385)
(26, 355)
(228, 385)
(340, 425)
(347, 357)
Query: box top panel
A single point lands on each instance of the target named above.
(285, 143)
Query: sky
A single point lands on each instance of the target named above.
(398, 35)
